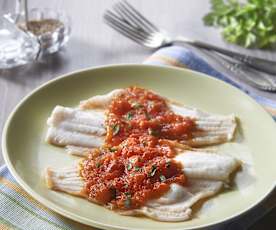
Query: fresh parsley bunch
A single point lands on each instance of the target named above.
(251, 24)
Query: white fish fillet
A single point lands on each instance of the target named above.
(85, 126)
(66, 180)
(176, 204)
(70, 126)
(100, 101)
(209, 166)
(211, 128)
(63, 137)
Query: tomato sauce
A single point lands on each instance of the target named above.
(138, 111)
(136, 164)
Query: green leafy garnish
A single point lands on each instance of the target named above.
(129, 116)
(168, 164)
(113, 193)
(137, 168)
(153, 132)
(148, 117)
(150, 103)
(153, 170)
(126, 186)
(98, 165)
(129, 166)
(162, 178)
(113, 149)
(136, 105)
(115, 129)
(250, 24)
(127, 201)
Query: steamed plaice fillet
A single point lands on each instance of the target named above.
(100, 101)
(209, 166)
(176, 204)
(66, 179)
(84, 126)
(210, 128)
(74, 127)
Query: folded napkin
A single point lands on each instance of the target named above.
(18, 210)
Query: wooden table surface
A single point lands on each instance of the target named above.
(92, 43)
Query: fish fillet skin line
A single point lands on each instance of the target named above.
(72, 126)
(211, 128)
(176, 204)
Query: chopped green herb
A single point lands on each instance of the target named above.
(168, 164)
(132, 160)
(162, 178)
(126, 186)
(153, 170)
(153, 132)
(127, 201)
(98, 165)
(115, 129)
(129, 116)
(137, 168)
(249, 24)
(136, 105)
(113, 193)
(129, 126)
(148, 117)
(113, 149)
(150, 103)
(129, 166)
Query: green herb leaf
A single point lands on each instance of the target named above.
(148, 117)
(162, 178)
(115, 129)
(113, 193)
(153, 170)
(168, 164)
(113, 149)
(126, 186)
(136, 105)
(137, 168)
(249, 24)
(153, 132)
(98, 165)
(127, 201)
(129, 116)
(129, 166)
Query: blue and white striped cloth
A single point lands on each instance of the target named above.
(18, 210)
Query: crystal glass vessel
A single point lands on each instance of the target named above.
(16, 47)
(50, 41)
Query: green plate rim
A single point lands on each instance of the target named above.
(78, 218)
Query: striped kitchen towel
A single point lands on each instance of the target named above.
(18, 210)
